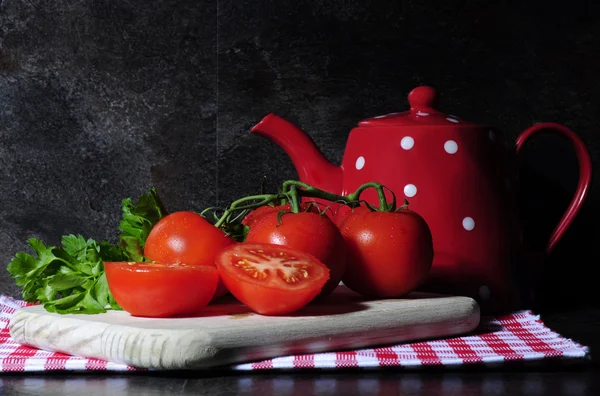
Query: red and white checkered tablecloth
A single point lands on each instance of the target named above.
(520, 336)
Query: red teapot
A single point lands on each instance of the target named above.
(454, 173)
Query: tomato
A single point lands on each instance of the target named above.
(308, 232)
(271, 279)
(161, 290)
(255, 216)
(389, 253)
(345, 212)
(186, 237)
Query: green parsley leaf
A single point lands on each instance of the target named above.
(137, 222)
(76, 246)
(101, 291)
(63, 278)
(61, 282)
(65, 304)
(70, 278)
(110, 252)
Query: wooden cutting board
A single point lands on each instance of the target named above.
(229, 333)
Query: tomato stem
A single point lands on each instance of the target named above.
(263, 199)
(403, 207)
(351, 200)
(383, 204)
(293, 191)
(311, 192)
(293, 194)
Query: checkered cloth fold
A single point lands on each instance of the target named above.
(520, 336)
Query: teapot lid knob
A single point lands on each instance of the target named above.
(423, 112)
(422, 97)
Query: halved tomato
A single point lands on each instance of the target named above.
(186, 237)
(271, 279)
(307, 232)
(159, 290)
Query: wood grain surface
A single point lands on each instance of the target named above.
(228, 332)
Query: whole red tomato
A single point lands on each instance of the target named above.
(307, 232)
(389, 253)
(345, 212)
(188, 238)
(257, 213)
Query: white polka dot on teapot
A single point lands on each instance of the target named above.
(410, 190)
(407, 142)
(468, 223)
(451, 147)
(360, 162)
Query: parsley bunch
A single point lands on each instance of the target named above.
(70, 278)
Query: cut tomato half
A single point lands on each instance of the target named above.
(159, 290)
(271, 279)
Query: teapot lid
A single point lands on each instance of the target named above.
(422, 112)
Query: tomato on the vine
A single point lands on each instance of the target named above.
(255, 216)
(161, 290)
(186, 237)
(308, 232)
(271, 279)
(345, 212)
(389, 253)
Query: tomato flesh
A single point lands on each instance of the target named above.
(188, 238)
(389, 253)
(271, 279)
(308, 232)
(161, 290)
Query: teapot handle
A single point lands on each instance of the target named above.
(585, 174)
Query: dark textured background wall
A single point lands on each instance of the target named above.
(99, 100)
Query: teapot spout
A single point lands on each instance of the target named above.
(310, 163)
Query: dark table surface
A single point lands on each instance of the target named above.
(583, 378)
